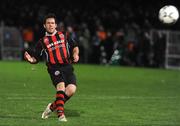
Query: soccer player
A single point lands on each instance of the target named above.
(60, 52)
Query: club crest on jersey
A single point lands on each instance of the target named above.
(57, 72)
(61, 36)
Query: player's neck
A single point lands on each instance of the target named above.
(50, 34)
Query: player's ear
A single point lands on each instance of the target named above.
(44, 25)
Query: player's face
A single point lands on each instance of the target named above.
(50, 25)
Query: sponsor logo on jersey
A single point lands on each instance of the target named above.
(55, 43)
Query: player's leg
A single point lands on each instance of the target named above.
(70, 80)
(58, 104)
(69, 91)
(60, 101)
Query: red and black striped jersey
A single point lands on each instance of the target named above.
(57, 48)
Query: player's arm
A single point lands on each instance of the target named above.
(75, 54)
(33, 55)
(30, 58)
(74, 49)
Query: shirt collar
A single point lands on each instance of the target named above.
(47, 34)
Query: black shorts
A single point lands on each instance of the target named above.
(62, 73)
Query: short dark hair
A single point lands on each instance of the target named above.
(50, 15)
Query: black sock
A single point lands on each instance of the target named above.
(66, 98)
(60, 103)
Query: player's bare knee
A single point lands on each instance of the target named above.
(70, 90)
(60, 87)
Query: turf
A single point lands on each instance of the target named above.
(106, 96)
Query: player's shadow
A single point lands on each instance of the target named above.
(72, 113)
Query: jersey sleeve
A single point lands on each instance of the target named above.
(73, 42)
(37, 50)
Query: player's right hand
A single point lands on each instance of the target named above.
(28, 57)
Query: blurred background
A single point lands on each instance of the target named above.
(109, 32)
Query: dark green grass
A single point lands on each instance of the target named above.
(106, 96)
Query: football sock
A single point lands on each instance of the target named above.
(66, 98)
(53, 105)
(60, 103)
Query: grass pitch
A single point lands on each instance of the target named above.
(106, 96)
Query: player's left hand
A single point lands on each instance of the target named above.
(75, 58)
